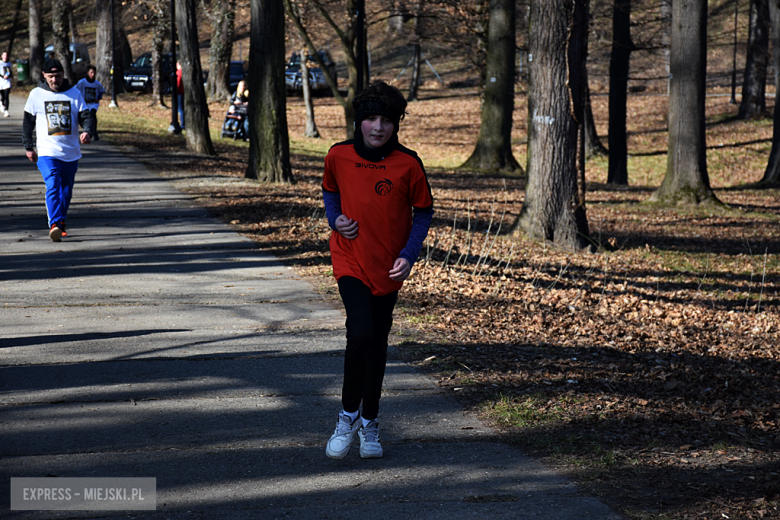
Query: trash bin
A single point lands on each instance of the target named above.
(22, 71)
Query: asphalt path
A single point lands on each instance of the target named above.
(154, 341)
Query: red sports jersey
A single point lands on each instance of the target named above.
(379, 196)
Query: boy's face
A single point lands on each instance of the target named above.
(4, 57)
(377, 130)
(91, 74)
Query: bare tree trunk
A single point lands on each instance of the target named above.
(269, 147)
(347, 38)
(493, 151)
(593, 146)
(59, 26)
(754, 85)
(414, 84)
(618, 92)
(72, 27)
(311, 126)
(554, 206)
(218, 85)
(195, 108)
(103, 51)
(36, 40)
(14, 25)
(686, 180)
(123, 55)
(772, 174)
(161, 86)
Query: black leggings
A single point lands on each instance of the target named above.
(369, 319)
(4, 97)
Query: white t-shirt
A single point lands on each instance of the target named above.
(91, 92)
(5, 74)
(57, 122)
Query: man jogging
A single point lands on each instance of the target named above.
(92, 91)
(54, 111)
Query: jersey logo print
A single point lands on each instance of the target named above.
(383, 187)
(58, 117)
(369, 165)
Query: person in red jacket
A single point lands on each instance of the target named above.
(379, 205)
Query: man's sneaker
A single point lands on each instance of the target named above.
(369, 441)
(6, 114)
(55, 233)
(341, 440)
(61, 225)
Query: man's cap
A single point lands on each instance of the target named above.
(52, 65)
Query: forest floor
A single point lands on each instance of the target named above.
(648, 373)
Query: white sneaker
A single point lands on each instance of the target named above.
(6, 114)
(341, 440)
(369, 441)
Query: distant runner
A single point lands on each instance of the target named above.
(92, 91)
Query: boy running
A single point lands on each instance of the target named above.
(370, 187)
(92, 91)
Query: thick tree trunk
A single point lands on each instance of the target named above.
(772, 174)
(195, 108)
(269, 147)
(221, 49)
(554, 206)
(59, 27)
(686, 180)
(618, 92)
(36, 40)
(103, 51)
(754, 85)
(493, 151)
(311, 125)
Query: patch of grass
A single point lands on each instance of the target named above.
(523, 412)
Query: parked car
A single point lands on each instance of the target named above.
(79, 58)
(236, 72)
(292, 72)
(139, 76)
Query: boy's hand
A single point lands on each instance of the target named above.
(400, 270)
(85, 138)
(347, 227)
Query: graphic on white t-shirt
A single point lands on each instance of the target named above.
(90, 94)
(58, 117)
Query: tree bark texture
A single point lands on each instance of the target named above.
(195, 108)
(686, 180)
(772, 174)
(554, 206)
(103, 51)
(59, 27)
(35, 11)
(221, 51)
(493, 151)
(269, 147)
(753, 103)
(618, 92)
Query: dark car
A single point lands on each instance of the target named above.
(292, 72)
(139, 76)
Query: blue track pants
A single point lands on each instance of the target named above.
(59, 177)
